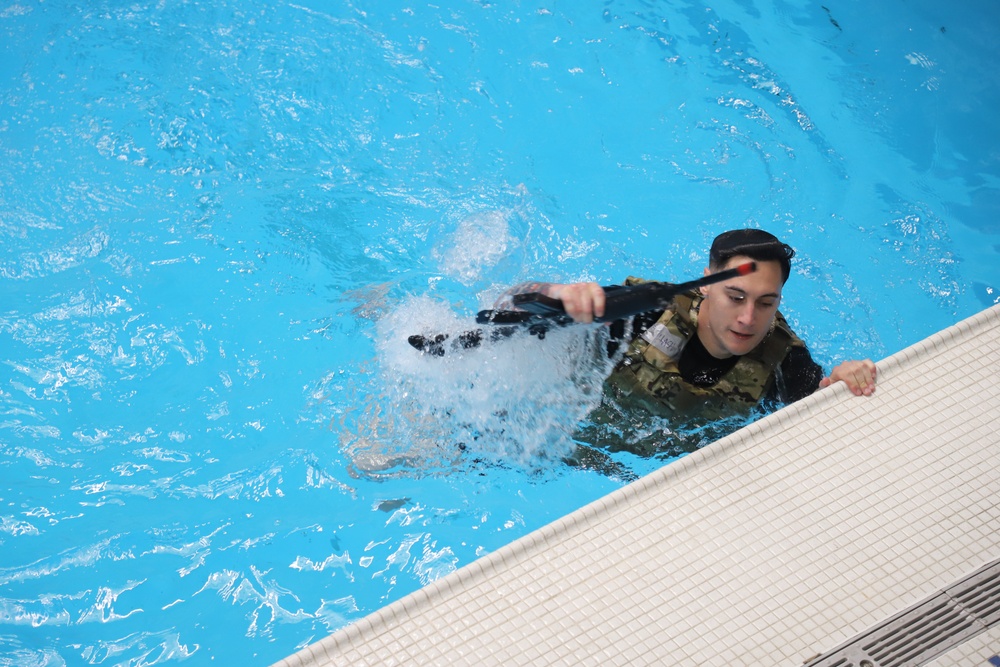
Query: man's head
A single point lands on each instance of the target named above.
(737, 314)
(753, 243)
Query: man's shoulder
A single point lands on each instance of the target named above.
(781, 325)
(687, 297)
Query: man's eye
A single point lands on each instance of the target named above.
(736, 298)
(767, 304)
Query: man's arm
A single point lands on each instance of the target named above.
(802, 376)
(582, 301)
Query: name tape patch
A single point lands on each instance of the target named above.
(660, 337)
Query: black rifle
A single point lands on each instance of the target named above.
(538, 313)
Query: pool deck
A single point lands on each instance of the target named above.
(777, 545)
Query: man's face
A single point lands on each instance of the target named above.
(736, 314)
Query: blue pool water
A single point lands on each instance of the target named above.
(220, 221)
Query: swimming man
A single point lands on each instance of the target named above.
(719, 351)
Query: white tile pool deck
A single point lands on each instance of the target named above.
(769, 547)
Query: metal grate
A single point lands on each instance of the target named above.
(981, 596)
(926, 630)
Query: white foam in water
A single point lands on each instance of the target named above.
(480, 241)
(517, 400)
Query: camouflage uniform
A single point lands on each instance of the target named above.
(649, 376)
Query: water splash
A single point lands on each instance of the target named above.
(516, 401)
(479, 242)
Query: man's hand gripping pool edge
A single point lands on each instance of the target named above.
(859, 376)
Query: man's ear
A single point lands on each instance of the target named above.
(704, 288)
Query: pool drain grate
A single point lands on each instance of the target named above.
(921, 633)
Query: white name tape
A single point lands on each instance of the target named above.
(660, 337)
